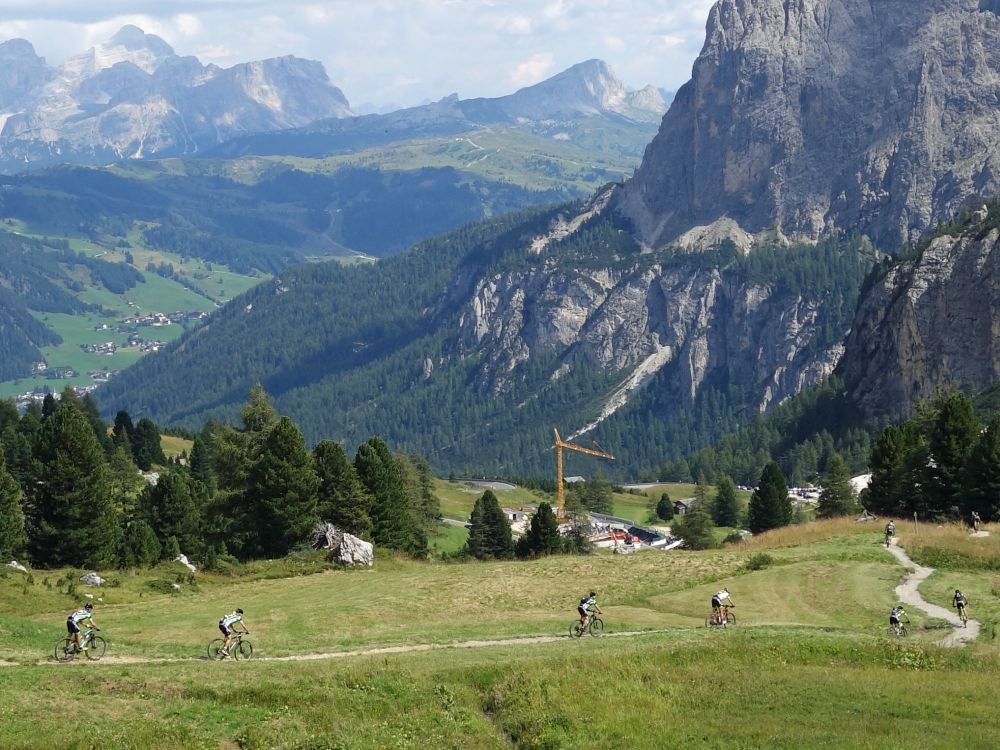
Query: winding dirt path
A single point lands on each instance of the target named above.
(908, 592)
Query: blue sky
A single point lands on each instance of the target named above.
(393, 51)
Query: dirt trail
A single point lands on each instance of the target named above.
(909, 593)
(363, 652)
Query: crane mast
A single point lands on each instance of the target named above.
(560, 488)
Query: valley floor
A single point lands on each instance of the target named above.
(809, 662)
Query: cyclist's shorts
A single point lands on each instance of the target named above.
(71, 626)
(716, 603)
(582, 611)
(224, 629)
(894, 621)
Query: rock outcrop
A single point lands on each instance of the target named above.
(820, 116)
(133, 97)
(344, 548)
(928, 324)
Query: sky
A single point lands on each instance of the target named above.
(393, 52)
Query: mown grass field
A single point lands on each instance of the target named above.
(809, 662)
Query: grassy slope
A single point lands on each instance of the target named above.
(811, 667)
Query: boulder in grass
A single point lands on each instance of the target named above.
(92, 579)
(17, 566)
(182, 559)
(344, 548)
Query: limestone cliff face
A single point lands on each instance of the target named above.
(819, 116)
(635, 320)
(929, 324)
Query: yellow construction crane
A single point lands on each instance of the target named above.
(560, 444)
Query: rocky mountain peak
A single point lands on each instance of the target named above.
(17, 49)
(822, 116)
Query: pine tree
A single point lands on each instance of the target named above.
(140, 547)
(200, 463)
(489, 531)
(393, 523)
(665, 508)
(280, 498)
(342, 499)
(982, 475)
(695, 527)
(76, 522)
(125, 482)
(12, 533)
(838, 497)
(543, 534)
(896, 463)
(174, 507)
(770, 507)
(952, 435)
(726, 509)
(146, 447)
(121, 433)
(93, 414)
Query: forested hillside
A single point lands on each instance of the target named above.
(377, 350)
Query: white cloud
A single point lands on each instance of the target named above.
(188, 25)
(533, 70)
(614, 43)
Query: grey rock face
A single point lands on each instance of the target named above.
(92, 579)
(818, 116)
(344, 548)
(133, 97)
(929, 324)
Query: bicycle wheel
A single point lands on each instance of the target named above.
(575, 631)
(96, 648)
(902, 631)
(596, 627)
(243, 650)
(215, 649)
(730, 618)
(64, 650)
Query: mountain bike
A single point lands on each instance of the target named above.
(899, 631)
(594, 626)
(962, 615)
(724, 618)
(238, 648)
(92, 646)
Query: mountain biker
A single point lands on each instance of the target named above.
(720, 599)
(894, 616)
(890, 532)
(226, 624)
(75, 618)
(958, 601)
(586, 604)
(976, 520)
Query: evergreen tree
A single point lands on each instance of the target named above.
(93, 413)
(594, 494)
(982, 475)
(695, 527)
(893, 483)
(9, 416)
(342, 499)
(12, 534)
(726, 510)
(200, 463)
(838, 497)
(280, 498)
(543, 534)
(125, 482)
(75, 521)
(122, 431)
(49, 404)
(952, 435)
(146, 447)
(489, 531)
(393, 523)
(173, 508)
(770, 506)
(665, 508)
(140, 547)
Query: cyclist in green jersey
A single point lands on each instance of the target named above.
(226, 623)
(74, 620)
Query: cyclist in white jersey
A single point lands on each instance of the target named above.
(226, 624)
(720, 599)
(74, 620)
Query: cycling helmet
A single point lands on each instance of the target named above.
(957, 591)
(593, 593)
(88, 605)
(239, 611)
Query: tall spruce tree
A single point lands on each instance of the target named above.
(12, 533)
(280, 498)
(726, 509)
(838, 497)
(665, 508)
(543, 536)
(122, 431)
(146, 448)
(952, 434)
(174, 508)
(200, 463)
(93, 413)
(342, 499)
(982, 475)
(770, 507)
(140, 547)
(489, 531)
(75, 520)
(393, 518)
(897, 470)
